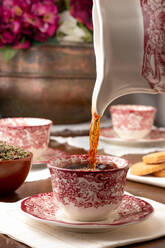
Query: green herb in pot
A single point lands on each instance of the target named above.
(10, 152)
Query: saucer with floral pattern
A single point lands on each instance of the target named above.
(42, 208)
(156, 136)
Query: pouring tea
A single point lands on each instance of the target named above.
(129, 44)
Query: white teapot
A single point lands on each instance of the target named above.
(129, 43)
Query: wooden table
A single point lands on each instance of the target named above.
(31, 188)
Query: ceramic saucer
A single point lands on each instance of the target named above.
(42, 208)
(157, 135)
(47, 155)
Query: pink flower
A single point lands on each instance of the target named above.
(16, 26)
(82, 11)
(6, 37)
(27, 20)
(48, 19)
(21, 45)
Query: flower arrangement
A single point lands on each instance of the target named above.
(34, 22)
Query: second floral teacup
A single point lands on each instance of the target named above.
(132, 121)
(31, 134)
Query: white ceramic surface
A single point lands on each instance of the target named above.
(149, 179)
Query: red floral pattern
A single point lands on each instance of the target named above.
(29, 133)
(132, 117)
(42, 206)
(73, 189)
(154, 43)
(87, 188)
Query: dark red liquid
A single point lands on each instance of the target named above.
(110, 166)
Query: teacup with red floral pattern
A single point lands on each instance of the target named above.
(84, 194)
(31, 134)
(132, 121)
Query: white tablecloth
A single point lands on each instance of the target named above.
(38, 235)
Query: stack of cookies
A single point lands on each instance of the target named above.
(151, 164)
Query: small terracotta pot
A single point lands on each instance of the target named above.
(13, 173)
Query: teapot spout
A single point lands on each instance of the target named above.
(106, 91)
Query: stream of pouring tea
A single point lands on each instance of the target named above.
(93, 140)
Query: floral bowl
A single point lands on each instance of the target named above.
(13, 173)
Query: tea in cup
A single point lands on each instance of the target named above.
(84, 194)
(132, 121)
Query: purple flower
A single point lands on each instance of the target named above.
(27, 20)
(82, 11)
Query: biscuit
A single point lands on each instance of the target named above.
(159, 173)
(141, 169)
(154, 158)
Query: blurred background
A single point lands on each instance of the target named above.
(47, 63)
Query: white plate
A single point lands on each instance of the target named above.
(156, 136)
(157, 181)
(42, 208)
